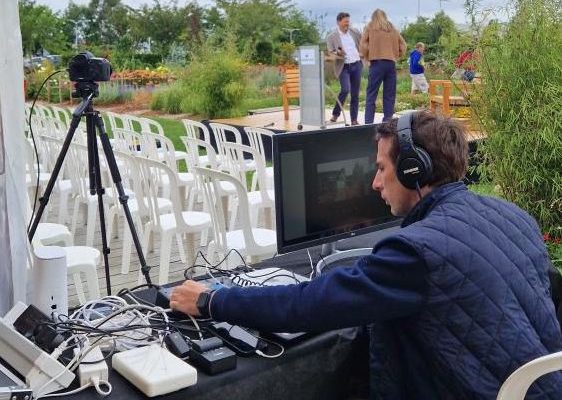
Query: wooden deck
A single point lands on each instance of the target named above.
(118, 281)
(275, 120)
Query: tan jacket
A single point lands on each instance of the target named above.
(382, 45)
(333, 41)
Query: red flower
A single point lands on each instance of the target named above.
(546, 237)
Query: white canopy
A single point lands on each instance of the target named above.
(13, 237)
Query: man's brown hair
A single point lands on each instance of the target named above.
(442, 138)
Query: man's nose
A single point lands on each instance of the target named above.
(377, 182)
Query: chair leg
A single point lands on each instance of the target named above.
(233, 214)
(75, 215)
(63, 208)
(254, 181)
(91, 224)
(165, 249)
(92, 281)
(179, 241)
(254, 214)
(127, 247)
(190, 248)
(79, 288)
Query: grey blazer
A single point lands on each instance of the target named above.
(333, 41)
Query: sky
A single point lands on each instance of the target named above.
(399, 11)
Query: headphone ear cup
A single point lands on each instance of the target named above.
(405, 167)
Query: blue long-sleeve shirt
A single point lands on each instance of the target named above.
(387, 284)
(416, 63)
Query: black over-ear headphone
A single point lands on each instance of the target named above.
(413, 165)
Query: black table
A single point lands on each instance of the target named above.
(331, 365)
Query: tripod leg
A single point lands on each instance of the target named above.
(96, 187)
(116, 176)
(76, 116)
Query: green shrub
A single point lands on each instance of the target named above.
(518, 105)
(214, 83)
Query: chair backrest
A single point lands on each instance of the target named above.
(236, 166)
(154, 175)
(221, 133)
(256, 140)
(62, 114)
(128, 141)
(167, 153)
(152, 126)
(193, 129)
(517, 384)
(210, 185)
(77, 168)
(117, 121)
(192, 146)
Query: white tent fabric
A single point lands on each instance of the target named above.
(13, 237)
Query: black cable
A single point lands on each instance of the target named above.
(35, 146)
(418, 189)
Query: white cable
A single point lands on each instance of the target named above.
(262, 354)
(311, 264)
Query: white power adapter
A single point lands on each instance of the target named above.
(93, 370)
(154, 370)
(89, 369)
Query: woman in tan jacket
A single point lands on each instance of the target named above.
(382, 45)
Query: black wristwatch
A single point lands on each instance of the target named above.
(202, 303)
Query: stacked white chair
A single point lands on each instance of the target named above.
(188, 223)
(255, 243)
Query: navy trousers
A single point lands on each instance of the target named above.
(381, 71)
(350, 81)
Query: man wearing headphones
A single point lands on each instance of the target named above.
(457, 299)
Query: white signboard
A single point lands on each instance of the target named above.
(308, 57)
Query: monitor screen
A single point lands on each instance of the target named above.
(323, 187)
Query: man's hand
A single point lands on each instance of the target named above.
(184, 297)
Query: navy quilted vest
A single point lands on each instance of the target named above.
(488, 308)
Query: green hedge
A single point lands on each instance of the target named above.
(519, 106)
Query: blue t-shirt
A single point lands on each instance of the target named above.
(416, 62)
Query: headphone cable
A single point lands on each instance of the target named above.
(418, 189)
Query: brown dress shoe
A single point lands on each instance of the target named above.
(333, 119)
(354, 123)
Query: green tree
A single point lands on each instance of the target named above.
(40, 28)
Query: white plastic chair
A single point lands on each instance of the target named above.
(262, 199)
(517, 384)
(180, 222)
(256, 243)
(167, 155)
(256, 142)
(131, 179)
(222, 133)
(192, 129)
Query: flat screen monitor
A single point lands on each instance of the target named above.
(323, 187)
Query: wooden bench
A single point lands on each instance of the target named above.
(440, 95)
(290, 89)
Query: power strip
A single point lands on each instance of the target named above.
(154, 370)
(42, 371)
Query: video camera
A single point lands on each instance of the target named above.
(84, 67)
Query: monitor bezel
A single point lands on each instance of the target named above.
(283, 248)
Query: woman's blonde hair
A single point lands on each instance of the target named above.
(379, 21)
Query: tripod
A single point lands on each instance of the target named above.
(87, 91)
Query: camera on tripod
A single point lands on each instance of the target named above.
(84, 67)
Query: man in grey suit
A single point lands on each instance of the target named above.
(344, 43)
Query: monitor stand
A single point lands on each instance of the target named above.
(331, 254)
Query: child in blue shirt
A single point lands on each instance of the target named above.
(419, 83)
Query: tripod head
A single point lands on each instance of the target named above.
(85, 90)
